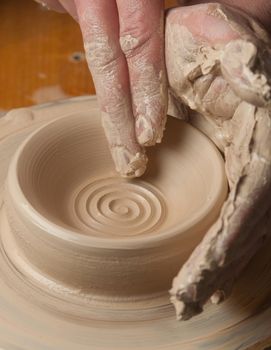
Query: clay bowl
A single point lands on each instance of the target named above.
(79, 231)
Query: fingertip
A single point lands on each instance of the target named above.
(129, 164)
(185, 310)
(136, 167)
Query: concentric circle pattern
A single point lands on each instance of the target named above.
(119, 207)
(83, 288)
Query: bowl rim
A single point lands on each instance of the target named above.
(73, 236)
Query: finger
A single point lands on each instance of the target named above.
(142, 41)
(100, 28)
(69, 6)
(52, 5)
(230, 238)
(256, 241)
(60, 6)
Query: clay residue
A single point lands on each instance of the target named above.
(130, 159)
(128, 42)
(228, 87)
(129, 165)
(149, 107)
(248, 79)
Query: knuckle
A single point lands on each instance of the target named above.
(133, 42)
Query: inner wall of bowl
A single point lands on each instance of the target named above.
(66, 172)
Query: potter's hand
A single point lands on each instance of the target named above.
(218, 64)
(124, 49)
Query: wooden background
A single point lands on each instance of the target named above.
(42, 55)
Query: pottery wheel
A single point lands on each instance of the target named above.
(39, 310)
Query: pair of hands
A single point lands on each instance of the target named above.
(218, 64)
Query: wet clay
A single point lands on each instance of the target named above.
(86, 253)
(223, 88)
(65, 200)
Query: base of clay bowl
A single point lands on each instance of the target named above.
(77, 224)
(72, 264)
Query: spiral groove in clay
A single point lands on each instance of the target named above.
(97, 227)
(115, 206)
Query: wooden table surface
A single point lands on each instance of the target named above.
(42, 56)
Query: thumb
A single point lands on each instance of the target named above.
(247, 68)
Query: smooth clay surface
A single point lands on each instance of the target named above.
(87, 257)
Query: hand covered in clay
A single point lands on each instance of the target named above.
(124, 44)
(218, 64)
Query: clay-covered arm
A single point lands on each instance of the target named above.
(220, 69)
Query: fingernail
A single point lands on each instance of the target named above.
(129, 164)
